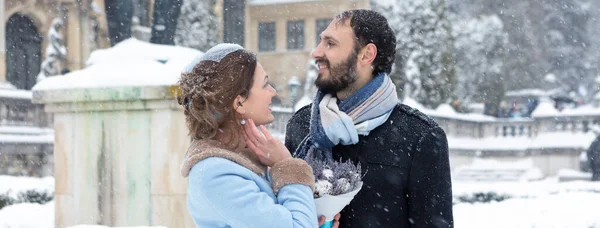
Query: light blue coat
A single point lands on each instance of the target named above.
(222, 193)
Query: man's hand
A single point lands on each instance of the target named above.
(336, 221)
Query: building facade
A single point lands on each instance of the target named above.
(32, 30)
(282, 33)
(26, 134)
(24, 39)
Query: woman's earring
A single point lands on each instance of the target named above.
(243, 121)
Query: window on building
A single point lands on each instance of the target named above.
(320, 27)
(266, 36)
(295, 35)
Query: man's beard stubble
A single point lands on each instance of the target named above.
(341, 76)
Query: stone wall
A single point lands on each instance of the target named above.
(117, 157)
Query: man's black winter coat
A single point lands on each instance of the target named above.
(593, 155)
(406, 167)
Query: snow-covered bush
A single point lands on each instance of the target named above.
(15, 190)
(29, 196)
(480, 197)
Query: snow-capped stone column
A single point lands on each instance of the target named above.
(120, 138)
(116, 156)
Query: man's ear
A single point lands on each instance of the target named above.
(238, 106)
(368, 54)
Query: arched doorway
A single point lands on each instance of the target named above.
(23, 51)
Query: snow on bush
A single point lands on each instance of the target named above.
(15, 190)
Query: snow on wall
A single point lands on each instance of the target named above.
(15, 94)
(129, 63)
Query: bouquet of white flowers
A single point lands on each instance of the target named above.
(336, 184)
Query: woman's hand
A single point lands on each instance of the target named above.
(269, 150)
(336, 220)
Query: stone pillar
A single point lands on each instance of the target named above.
(85, 44)
(248, 26)
(280, 35)
(102, 33)
(74, 37)
(117, 154)
(310, 35)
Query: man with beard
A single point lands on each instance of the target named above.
(356, 116)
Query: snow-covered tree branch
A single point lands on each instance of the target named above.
(197, 25)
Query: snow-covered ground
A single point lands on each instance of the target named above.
(22, 215)
(568, 209)
(546, 203)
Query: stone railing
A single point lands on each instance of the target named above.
(16, 109)
(26, 135)
(523, 127)
(492, 127)
(461, 128)
(473, 136)
(568, 123)
(552, 143)
(512, 128)
(282, 116)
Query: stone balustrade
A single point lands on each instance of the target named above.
(26, 135)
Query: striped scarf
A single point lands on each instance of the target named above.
(332, 123)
